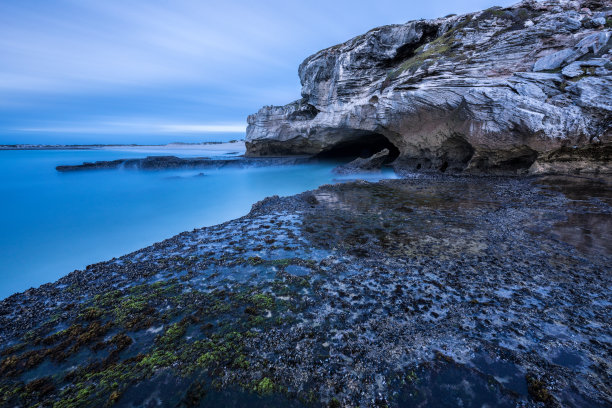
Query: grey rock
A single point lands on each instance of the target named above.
(595, 94)
(594, 42)
(370, 164)
(455, 93)
(598, 21)
(554, 60)
(580, 68)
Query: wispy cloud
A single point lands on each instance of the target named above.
(69, 45)
(66, 46)
(193, 65)
(135, 128)
(202, 128)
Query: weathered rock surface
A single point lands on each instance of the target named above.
(590, 158)
(485, 92)
(372, 163)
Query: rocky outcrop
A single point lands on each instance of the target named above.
(173, 162)
(486, 92)
(587, 159)
(370, 164)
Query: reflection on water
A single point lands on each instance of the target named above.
(452, 385)
(589, 232)
(588, 225)
(580, 188)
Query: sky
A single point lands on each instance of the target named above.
(153, 71)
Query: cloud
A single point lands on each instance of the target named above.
(203, 128)
(70, 46)
(195, 66)
(138, 127)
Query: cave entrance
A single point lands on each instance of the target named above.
(363, 145)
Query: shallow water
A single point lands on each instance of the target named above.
(53, 223)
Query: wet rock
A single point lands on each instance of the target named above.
(372, 163)
(481, 291)
(173, 162)
(594, 159)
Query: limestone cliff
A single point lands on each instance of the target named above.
(494, 91)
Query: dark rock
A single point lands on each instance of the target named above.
(172, 162)
(372, 163)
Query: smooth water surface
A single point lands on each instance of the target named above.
(53, 223)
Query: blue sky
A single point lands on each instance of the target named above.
(150, 71)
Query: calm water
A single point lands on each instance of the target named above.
(53, 223)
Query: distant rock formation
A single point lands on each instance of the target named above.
(173, 162)
(496, 91)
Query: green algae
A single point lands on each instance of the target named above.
(173, 335)
(265, 386)
(263, 301)
(91, 313)
(220, 324)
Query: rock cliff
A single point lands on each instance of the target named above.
(495, 91)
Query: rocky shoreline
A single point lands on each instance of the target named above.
(429, 290)
(433, 290)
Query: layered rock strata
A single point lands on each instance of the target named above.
(494, 91)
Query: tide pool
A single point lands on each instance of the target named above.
(52, 223)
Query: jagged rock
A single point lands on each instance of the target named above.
(460, 93)
(581, 68)
(372, 163)
(555, 60)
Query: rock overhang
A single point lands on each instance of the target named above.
(476, 78)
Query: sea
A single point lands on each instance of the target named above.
(52, 223)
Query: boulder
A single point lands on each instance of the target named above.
(360, 165)
(582, 68)
(554, 60)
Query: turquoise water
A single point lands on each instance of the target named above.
(53, 223)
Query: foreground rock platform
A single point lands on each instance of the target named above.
(430, 291)
(490, 92)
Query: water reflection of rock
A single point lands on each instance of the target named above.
(588, 223)
(580, 188)
(588, 232)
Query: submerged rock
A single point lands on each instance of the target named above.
(372, 163)
(173, 162)
(486, 92)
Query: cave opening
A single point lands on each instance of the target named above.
(364, 146)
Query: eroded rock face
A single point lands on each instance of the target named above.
(484, 92)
